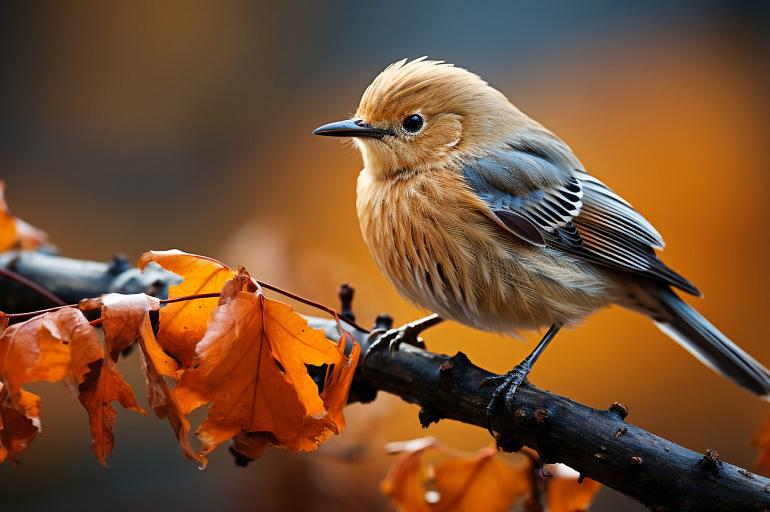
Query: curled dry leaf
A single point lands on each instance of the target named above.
(102, 386)
(56, 346)
(122, 316)
(157, 365)
(429, 477)
(19, 422)
(14, 232)
(183, 324)
(8, 234)
(252, 369)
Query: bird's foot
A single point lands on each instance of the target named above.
(395, 337)
(507, 385)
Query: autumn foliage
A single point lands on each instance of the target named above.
(220, 342)
(430, 477)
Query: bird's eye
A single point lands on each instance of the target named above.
(412, 123)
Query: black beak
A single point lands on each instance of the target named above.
(351, 128)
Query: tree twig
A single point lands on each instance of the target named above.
(599, 444)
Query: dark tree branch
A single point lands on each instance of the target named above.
(599, 444)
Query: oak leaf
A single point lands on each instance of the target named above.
(183, 324)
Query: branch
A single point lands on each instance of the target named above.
(599, 444)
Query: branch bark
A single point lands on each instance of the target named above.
(599, 444)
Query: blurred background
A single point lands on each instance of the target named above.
(128, 126)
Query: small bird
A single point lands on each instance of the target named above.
(480, 214)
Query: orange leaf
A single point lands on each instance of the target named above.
(122, 315)
(252, 368)
(60, 345)
(68, 345)
(19, 351)
(102, 386)
(19, 423)
(8, 234)
(14, 232)
(337, 387)
(428, 477)
(566, 493)
(157, 364)
(183, 324)
(51, 347)
(29, 237)
(417, 482)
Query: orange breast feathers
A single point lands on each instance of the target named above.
(435, 241)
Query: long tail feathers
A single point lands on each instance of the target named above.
(696, 334)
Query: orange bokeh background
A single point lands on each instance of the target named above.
(187, 125)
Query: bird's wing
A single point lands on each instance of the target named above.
(540, 193)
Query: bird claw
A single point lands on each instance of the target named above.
(394, 338)
(505, 392)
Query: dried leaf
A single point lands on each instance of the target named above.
(102, 386)
(183, 324)
(566, 493)
(122, 315)
(14, 232)
(157, 364)
(455, 482)
(60, 345)
(340, 377)
(252, 368)
(19, 422)
(8, 234)
(29, 237)
(67, 338)
(428, 476)
(19, 351)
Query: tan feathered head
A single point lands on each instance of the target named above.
(426, 113)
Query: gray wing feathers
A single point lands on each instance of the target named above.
(605, 206)
(534, 187)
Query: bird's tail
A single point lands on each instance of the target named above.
(696, 334)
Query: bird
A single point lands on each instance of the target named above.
(478, 213)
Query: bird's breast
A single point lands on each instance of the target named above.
(430, 235)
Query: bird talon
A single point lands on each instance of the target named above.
(494, 379)
(505, 391)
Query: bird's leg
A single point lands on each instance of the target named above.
(407, 333)
(510, 382)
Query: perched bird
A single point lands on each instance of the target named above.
(478, 213)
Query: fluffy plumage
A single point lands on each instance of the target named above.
(486, 217)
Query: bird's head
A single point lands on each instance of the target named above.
(425, 114)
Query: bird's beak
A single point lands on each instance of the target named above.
(351, 128)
